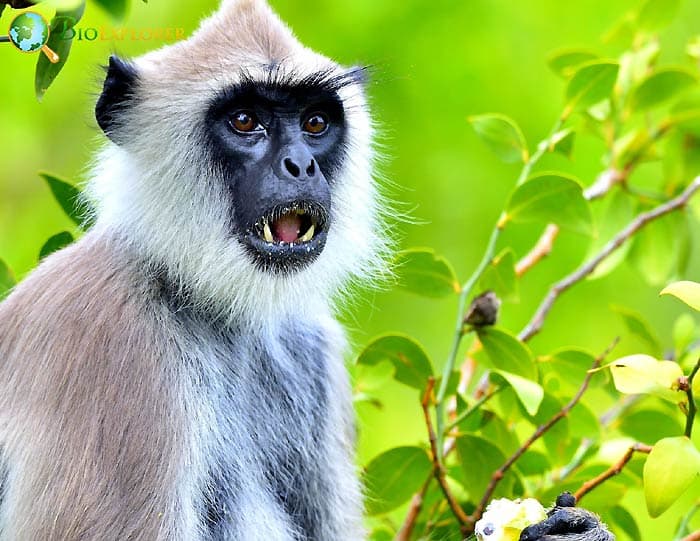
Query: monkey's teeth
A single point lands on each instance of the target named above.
(267, 233)
(309, 234)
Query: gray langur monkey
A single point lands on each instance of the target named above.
(177, 373)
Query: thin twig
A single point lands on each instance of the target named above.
(623, 404)
(690, 416)
(416, 506)
(535, 324)
(537, 434)
(612, 471)
(539, 251)
(544, 245)
(438, 468)
(685, 521)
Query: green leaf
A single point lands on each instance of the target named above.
(593, 82)
(500, 277)
(626, 522)
(507, 353)
(656, 249)
(569, 367)
(424, 273)
(642, 374)
(672, 466)
(657, 14)
(502, 135)
(565, 62)
(116, 8)
(55, 243)
(551, 197)
(7, 279)
(411, 363)
(562, 142)
(616, 214)
(661, 86)
(685, 113)
(684, 332)
(636, 324)
(61, 30)
(381, 534)
(685, 290)
(650, 425)
(392, 477)
(475, 450)
(529, 393)
(69, 198)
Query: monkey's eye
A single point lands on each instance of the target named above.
(315, 124)
(245, 122)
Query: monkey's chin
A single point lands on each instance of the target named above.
(288, 237)
(283, 257)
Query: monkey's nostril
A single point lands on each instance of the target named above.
(292, 168)
(311, 169)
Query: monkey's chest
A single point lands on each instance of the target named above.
(266, 448)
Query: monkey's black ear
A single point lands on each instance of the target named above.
(117, 95)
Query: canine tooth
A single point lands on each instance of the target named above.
(267, 232)
(309, 234)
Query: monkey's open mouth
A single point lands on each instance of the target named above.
(289, 235)
(297, 223)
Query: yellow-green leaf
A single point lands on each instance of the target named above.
(685, 290)
(551, 197)
(502, 135)
(672, 466)
(643, 374)
(507, 353)
(392, 478)
(412, 366)
(565, 62)
(423, 272)
(661, 86)
(592, 83)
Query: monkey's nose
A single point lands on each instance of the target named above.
(298, 169)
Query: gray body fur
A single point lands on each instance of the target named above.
(166, 425)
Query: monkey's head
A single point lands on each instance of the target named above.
(241, 163)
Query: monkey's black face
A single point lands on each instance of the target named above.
(279, 145)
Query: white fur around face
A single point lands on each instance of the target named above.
(160, 191)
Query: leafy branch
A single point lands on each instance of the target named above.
(535, 324)
(612, 471)
(537, 434)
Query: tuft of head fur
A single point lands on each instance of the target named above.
(159, 191)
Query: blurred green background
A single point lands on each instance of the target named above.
(435, 62)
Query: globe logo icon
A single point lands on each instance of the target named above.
(29, 33)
